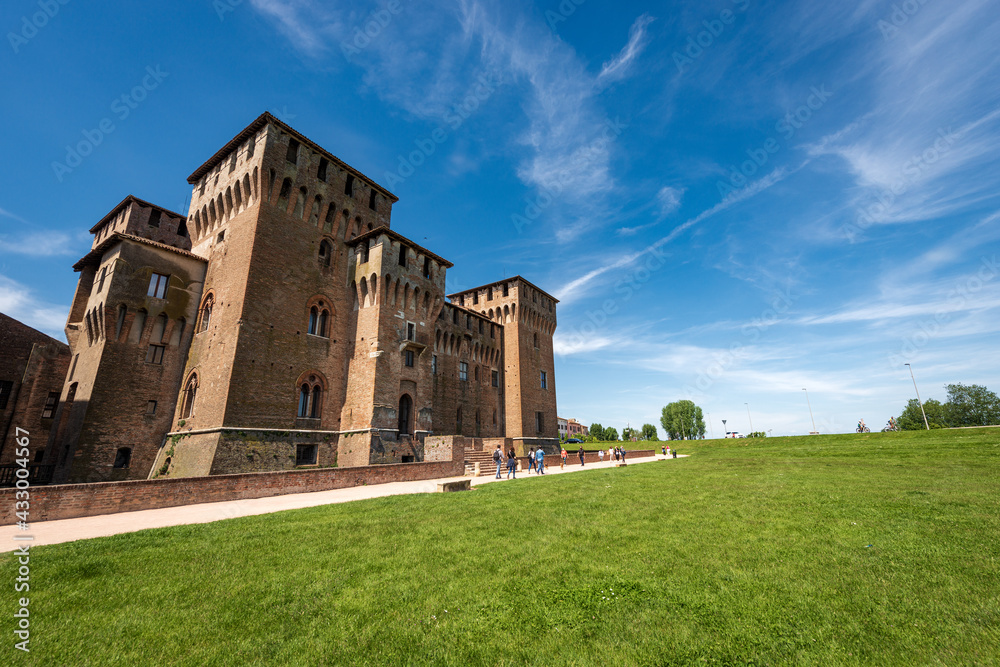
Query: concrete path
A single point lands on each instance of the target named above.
(69, 530)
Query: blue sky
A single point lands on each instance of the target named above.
(733, 200)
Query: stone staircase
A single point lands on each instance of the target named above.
(485, 461)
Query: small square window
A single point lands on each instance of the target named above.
(154, 355)
(158, 286)
(408, 356)
(151, 408)
(305, 455)
(154, 218)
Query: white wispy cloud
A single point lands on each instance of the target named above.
(38, 244)
(669, 199)
(23, 304)
(617, 67)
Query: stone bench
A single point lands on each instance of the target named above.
(457, 485)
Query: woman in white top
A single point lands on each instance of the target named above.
(600, 455)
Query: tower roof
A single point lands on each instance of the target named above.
(252, 129)
(129, 200)
(500, 282)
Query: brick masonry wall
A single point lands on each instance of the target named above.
(49, 503)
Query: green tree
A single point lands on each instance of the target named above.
(629, 433)
(971, 405)
(611, 434)
(912, 420)
(597, 431)
(649, 432)
(683, 420)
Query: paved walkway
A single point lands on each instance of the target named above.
(69, 530)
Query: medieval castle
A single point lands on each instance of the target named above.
(280, 324)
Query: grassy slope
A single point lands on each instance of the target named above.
(749, 552)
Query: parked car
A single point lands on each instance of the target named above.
(574, 441)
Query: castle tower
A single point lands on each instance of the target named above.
(129, 330)
(528, 315)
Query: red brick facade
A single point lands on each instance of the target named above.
(284, 324)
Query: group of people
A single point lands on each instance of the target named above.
(618, 453)
(536, 461)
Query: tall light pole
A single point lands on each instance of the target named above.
(810, 410)
(748, 416)
(918, 396)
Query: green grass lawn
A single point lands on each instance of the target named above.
(880, 549)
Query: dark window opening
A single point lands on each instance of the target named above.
(150, 408)
(305, 455)
(250, 146)
(496, 378)
(427, 267)
(293, 151)
(372, 198)
(402, 255)
(221, 237)
(454, 316)
(154, 218)
(286, 189)
(123, 457)
(39, 456)
(505, 290)
(325, 252)
(154, 355)
(232, 162)
(544, 380)
(475, 298)
(539, 422)
(100, 282)
(408, 358)
(489, 294)
(364, 252)
(190, 392)
(477, 373)
(349, 185)
(411, 331)
(321, 172)
(405, 408)
(182, 228)
(407, 458)
(317, 395)
(50, 405)
(463, 371)
(481, 325)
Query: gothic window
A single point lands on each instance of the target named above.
(283, 194)
(206, 313)
(310, 398)
(190, 392)
(300, 204)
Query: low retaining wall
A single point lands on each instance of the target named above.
(68, 501)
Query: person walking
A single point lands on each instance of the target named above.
(531, 460)
(616, 452)
(600, 456)
(511, 465)
(564, 455)
(498, 459)
(540, 461)
(663, 448)
(611, 453)
(623, 454)
(581, 454)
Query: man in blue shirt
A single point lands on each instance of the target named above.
(540, 460)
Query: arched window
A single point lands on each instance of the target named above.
(159, 329)
(138, 326)
(324, 316)
(316, 402)
(405, 410)
(313, 320)
(325, 253)
(319, 318)
(330, 215)
(311, 398)
(283, 194)
(304, 400)
(536, 341)
(190, 392)
(314, 214)
(206, 313)
(300, 204)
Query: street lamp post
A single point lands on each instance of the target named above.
(748, 417)
(918, 396)
(810, 410)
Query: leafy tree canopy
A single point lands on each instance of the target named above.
(611, 434)
(683, 420)
(912, 420)
(649, 432)
(597, 431)
(971, 405)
